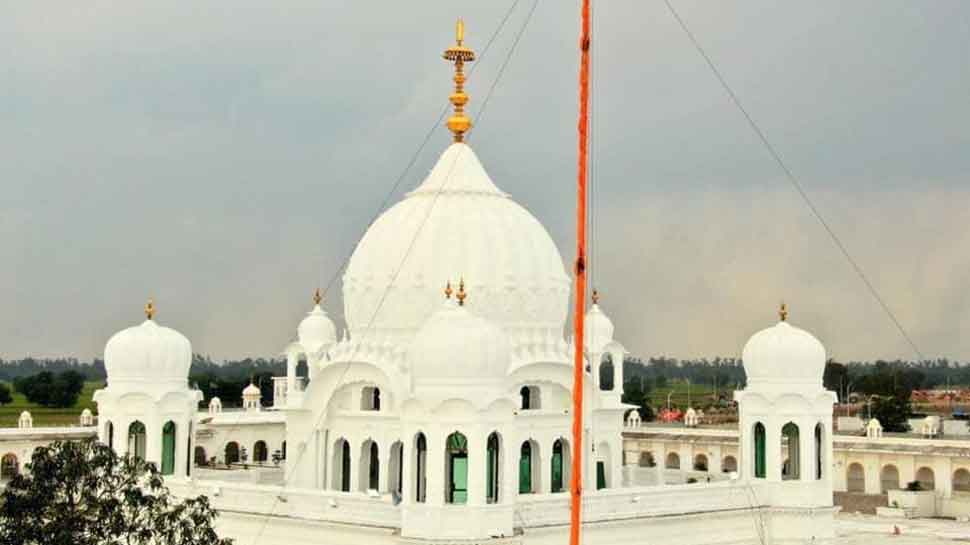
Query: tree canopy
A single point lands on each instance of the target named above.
(50, 390)
(82, 493)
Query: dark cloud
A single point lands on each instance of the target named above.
(224, 156)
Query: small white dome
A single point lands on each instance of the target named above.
(599, 329)
(147, 353)
(316, 331)
(455, 345)
(784, 355)
(251, 390)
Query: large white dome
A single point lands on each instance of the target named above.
(147, 353)
(456, 346)
(784, 356)
(457, 223)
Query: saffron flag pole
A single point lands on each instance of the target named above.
(576, 481)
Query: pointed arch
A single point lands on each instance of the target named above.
(420, 468)
(760, 438)
(493, 465)
(137, 439)
(456, 468)
(790, 452)
(168, 448)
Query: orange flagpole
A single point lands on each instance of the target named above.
(576, 481)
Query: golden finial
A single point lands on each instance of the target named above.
(448, 290)
(783, 312)
(317, 297)
(596, 297)
(150, 309)
(459, 123)
(462, 294)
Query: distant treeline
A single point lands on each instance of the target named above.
(226, 379)
(877, 377)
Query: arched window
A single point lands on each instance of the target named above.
(341, 465)
(606, 372)
(819, 451)
(729, 465)
(672, 461)
(283, 449)
(188, 452)
(889, 478)
(420, 468)
(759, 451)
(168, 448)
(790, 452)
(604, 466)
(9, 466)
(109, 432)
(136, 440)
(395, 470)
(200, 457)
(456, 468)
(647, 459)
(260, 452)
(370, 466)
(370, 399)
(558, 469)
(700, 462)
(855, 478)
(232, 452)
(961, 480)
(492, 465)
(926, 478)
(528, 461)
(530, 399)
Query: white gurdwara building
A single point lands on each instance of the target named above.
(441, 414)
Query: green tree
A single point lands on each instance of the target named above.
(50, 390)
(892, 412)
(82, 493)
(5, 394)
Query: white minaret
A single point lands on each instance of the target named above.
(786, 417)
(147, 408)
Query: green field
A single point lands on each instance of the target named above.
(700, 394)
(10, 413)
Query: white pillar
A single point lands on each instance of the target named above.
(773, 451)
(476, 468)
(435, 469)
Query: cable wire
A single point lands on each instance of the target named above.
(417, 152)
(794, 181)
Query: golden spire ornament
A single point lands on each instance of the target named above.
(317, 297)
(459, 123)
(150, 309)
(596, 297)
(783, 312)
(462, 294)
(448, 290)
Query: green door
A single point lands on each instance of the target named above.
(459, 478)
(168, 448)
(525, 470)
(557, 467)
(600, 475)
(759, 451)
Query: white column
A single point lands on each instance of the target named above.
(408, 486)
(476, 468)
(806, 438)
(354, 464)
(773, 450)
(435, 469)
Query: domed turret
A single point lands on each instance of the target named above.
(784, 355)
(147, 353)
(457, 346)
(316, 330)
(599, 327)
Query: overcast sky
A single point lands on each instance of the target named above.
(224, 156)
